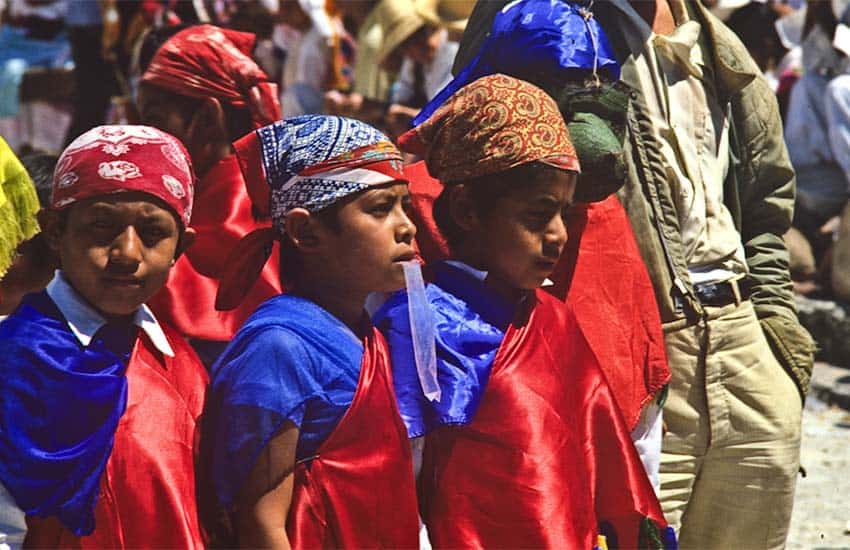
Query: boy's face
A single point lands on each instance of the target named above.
(373, 238)
(164, 110)
(523, 236)
(116, 250)
(422, 45)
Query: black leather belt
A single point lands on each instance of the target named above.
(723, 294)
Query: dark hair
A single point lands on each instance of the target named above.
(152, 41)
(40, 167)
(291, 263)
(238, 119)
(485, 192)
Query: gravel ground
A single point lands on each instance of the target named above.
(821, 517)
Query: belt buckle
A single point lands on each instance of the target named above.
(736, 291)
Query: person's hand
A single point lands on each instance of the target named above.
(338, 103)
(831, 225)
(398, 118)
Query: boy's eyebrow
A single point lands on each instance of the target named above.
(547, 200)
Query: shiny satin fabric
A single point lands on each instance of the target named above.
(601, 275)
(147, 493)
(547, 459)
(358, 490)
(222, 216)
(60, 404)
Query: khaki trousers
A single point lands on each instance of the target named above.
(731, 454)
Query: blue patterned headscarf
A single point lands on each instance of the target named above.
(310, 162)
(313, 161)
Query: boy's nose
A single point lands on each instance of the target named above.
(405, 230)
(556, 234)
(126, 248)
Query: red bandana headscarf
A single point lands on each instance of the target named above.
(122, 158)
(208, 61)
(489, 126)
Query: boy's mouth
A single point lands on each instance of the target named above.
(119, 281)
(546, 264)
(406, 257)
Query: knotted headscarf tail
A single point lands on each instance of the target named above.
(309, 162)
(206, 60)
(489, 126)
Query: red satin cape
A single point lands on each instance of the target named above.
(358, 491)
(222, 216)
(601, 275)
(147, 492)
(547, 458)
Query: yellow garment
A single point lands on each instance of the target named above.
(18, 206)
(452, 14)
(370, 79)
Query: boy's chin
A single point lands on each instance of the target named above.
(114, 303)
(121, 308)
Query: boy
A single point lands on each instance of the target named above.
(303, 430)
(100, 402)
(526, 446)
(203, 87)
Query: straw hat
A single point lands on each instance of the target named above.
(400, 19)
(452, 14)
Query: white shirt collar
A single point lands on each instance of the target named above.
(84, 321)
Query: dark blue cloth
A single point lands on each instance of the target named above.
(534, 39)
(60, 404)
(470, 320)
(292, 360)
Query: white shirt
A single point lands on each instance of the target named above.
(690, 124)
(84, 321)
(304, 72)
(436, 74)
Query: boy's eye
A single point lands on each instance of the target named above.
(382, 207)
(101, 224)
(538, 219)
(153, 234)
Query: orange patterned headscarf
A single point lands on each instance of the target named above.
(489, 126)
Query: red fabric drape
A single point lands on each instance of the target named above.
(602, 276)
(147, 492)
(358, 492)
(222, 217)
(547, 458)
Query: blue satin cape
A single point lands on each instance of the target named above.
(530, 38)
(291, 361)
(471, 320)
(60, 404)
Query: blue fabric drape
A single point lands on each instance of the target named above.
(292, 360)
(534, 39)
(470, 320)
(60, 404)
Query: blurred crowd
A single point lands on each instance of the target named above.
(69, 65)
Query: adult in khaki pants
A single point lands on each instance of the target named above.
(709, 191)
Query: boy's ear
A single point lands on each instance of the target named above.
(462, 209)
(51, 227)
(302, 229)
(186, 241)
(207, 137)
